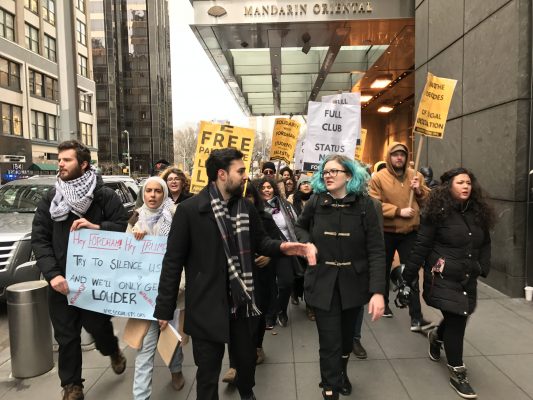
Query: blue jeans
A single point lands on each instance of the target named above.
(359, 324)
(144, 363)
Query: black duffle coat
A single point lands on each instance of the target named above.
(465, 247)
(195, 243)
(348, 236)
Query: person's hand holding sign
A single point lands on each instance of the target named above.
(83, 223)
(139, 235)
(59, 284)
(415, 185)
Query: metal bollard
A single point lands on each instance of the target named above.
(30, 330)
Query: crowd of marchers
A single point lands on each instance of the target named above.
(240, 251)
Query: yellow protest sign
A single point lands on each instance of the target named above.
(213, 136)
(360, 147)
(284, 139)
(434, 105)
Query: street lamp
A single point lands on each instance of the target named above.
(128, 139)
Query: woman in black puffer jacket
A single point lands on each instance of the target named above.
(453, 246)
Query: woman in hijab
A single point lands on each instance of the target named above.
(154, 218)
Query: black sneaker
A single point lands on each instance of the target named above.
(459, 381)
(269, 323)
(419, 325)
(283, 319)
(358, 349)
(388, 312)
(435, 344)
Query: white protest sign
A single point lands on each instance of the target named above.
(113, 273)
(332, 129)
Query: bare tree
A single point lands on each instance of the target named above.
(185, 146)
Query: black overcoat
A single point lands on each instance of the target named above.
(350, 246)
(195, 243)
(465, 247)
(49, 238)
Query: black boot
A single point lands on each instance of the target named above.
(346, 388)
(330, 394)
(459, 381)
(435, 344)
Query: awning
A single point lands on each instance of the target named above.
(43, 167)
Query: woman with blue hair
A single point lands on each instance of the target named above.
(341, 221)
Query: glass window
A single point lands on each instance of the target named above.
(11, 119)
(9, 74)
(80, 5)
(86, 131)
(31, 5)
(32, 38)
(85, 102)
(49, 11)
(50, 48)
(49, 88)
(82, 65)
(17, 120)
(36, 83)
(81, 32)
(52, 126)
(38, 125)
(7, 25)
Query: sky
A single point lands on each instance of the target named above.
(198, 92)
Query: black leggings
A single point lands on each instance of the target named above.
(452, 332)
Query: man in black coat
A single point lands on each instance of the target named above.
(214, 314)
(79, 200)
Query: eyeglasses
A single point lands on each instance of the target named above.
(268, 172)
(332, 172)
(173, 179)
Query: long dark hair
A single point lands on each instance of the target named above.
(251, 190)
(261, 181)
(441, 202)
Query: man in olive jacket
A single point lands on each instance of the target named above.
(79, 200)
(196, 244)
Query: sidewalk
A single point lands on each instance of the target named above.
(498, 352)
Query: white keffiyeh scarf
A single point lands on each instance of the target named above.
(73, 196)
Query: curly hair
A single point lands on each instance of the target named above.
(357, 183)
(258, 183)
(440, 202)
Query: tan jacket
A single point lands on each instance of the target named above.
(393, 191)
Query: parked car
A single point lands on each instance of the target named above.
(130, 183)
(18, 202)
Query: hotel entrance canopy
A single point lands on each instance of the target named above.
(275, 56)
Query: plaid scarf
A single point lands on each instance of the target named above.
(73, 196)
(235, 232)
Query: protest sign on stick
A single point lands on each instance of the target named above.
(113, 273)
(332, 128)
(432, 112)
(213, 136)
(284, 140)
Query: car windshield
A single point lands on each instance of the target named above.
(22, 198)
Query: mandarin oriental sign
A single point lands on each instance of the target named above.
(349, 7)
(224, 12)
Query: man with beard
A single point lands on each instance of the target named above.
(79, 200)
(392, 186)
(214, 236)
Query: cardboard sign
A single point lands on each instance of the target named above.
(332, 129)
(434, 106)
(213, 136)
(113, 273)
(284, 140)
(360, 147)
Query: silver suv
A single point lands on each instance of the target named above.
(18, 202)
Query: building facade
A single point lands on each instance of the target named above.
(46, 86)
(131, 61)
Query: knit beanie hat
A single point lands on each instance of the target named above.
(268, 165)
